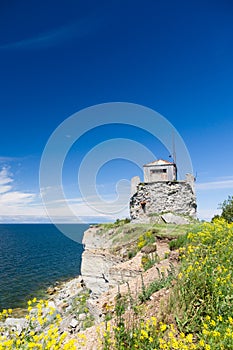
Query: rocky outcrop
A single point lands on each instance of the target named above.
(102, 270)
(95, 270)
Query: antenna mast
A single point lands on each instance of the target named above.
(173, 147)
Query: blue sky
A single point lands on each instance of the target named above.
(57, 58)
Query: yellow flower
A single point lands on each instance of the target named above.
(163, 327)
(216, 334)
(144, 333)
(213, 323)
(201, 342)
(189, 338)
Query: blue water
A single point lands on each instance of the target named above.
(34, 256)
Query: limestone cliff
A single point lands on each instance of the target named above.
(100, 268)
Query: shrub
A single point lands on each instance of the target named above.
(178, 242)
(149, 260)
(227, 209)
(144, 239)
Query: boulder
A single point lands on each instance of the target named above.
(151, 248)
(73, 323)
(171, 218)
(82, 317)
(16, 324)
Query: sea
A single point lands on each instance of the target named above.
(34, 257)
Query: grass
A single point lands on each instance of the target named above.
(164, 281)
(129, 233)
(149, 260)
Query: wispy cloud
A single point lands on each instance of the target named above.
(225, 183)
(21, 206)
(5, 181)
(9, 159)
(10, 198)
(77, 29)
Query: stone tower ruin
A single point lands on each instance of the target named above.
(161, 192)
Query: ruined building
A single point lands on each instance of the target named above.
(161, 192)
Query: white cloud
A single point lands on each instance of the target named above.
(226, 183)
(9, 159)
(207, 214)
(21, 206)
(11, 202)
(5, 181)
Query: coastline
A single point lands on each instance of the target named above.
(106, 267)
(33, 257)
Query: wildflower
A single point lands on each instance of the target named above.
(144, 333)
(163, 326)
(201, 342)
(189, 338)
(213, 323)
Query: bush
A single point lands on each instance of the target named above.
(178, 242)
(149, 260)
(131, 254)
(144, 239)
(227, 209)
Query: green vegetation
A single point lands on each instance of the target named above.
(149, 260)
(145, 239)
(164, 281)
(227, 210)
(113, 225)
(79, 306)
(178, 242)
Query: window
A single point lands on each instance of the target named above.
(158, 171)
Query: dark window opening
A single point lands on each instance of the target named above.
(143, 205)
(158, 171)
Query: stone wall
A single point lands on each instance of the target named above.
(159, 197)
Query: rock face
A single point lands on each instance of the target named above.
(102, 270)
(95, 270)
(159, 197)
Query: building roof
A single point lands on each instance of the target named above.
(159, 162)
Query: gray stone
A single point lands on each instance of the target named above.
(159, 197)
(16, 324)
(151, 248)
(82, 317)
(73, 323)
(95, 270)
(171, 218)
